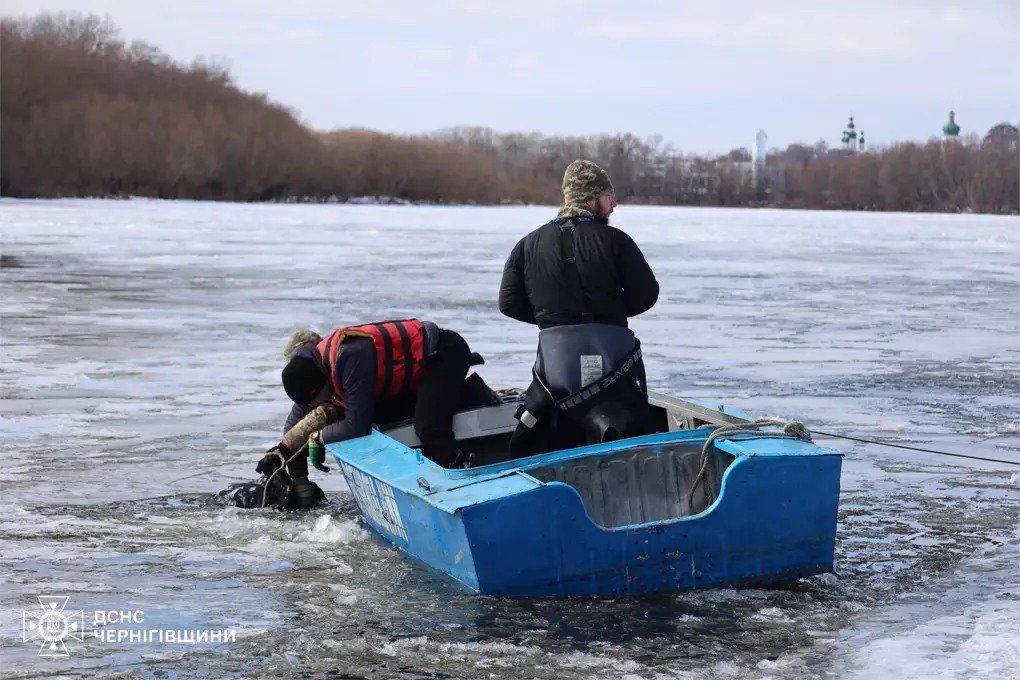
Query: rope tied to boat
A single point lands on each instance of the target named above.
(794, 429)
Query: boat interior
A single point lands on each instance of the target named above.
(628, 486)
(640, 484)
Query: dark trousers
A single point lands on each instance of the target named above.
(439, 396)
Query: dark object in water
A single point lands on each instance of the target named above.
(279, 494)
(11, 262)
(241, 495)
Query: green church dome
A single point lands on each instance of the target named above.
(951, 129)
(849, 133)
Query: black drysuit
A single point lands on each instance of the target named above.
(578, 271)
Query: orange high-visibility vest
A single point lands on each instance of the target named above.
(399, 355)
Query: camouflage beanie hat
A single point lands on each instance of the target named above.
(584, 181)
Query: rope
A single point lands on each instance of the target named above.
(793, 429)
(283, 464)
(203, 472)
(915, 448)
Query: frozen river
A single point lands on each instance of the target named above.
(141, 351)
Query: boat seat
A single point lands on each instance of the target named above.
(483, 412)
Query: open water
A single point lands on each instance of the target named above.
(141, 349)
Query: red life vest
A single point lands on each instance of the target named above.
(399, 355)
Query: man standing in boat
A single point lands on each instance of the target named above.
(579, 280)
(372, 373)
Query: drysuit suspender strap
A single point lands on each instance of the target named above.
(569, 259)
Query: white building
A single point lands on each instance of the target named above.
(760, 150)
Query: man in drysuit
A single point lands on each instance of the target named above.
(579, 280)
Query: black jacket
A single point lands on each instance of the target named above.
(540, 287)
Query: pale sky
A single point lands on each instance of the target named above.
(705, 75)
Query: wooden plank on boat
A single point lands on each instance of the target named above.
(691, 409)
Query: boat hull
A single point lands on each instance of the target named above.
(502, 531)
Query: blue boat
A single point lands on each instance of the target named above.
(618, 518)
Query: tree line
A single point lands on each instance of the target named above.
(84, 113)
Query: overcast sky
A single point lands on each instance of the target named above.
(705, 75)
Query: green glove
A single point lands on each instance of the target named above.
(317, 452)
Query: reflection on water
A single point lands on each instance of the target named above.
(141, 355)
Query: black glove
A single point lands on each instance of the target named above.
(273, 459)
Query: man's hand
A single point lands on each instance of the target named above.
(274, 458)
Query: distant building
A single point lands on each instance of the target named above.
(758, 154)
(849, 138)
(951, 131)
(697, 178)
